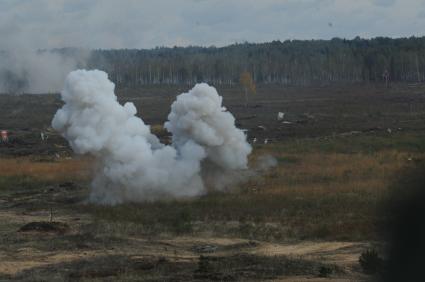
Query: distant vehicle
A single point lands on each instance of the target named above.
(4, 136)
(280, 116)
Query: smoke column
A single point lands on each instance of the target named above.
(133, 165)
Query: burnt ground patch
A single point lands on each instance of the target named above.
(45, 227)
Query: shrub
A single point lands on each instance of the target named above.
(370, 262)
(325, 271)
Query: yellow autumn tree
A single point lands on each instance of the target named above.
(248, 84)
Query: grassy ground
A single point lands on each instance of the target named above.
(322, 190)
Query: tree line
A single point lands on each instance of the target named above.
(292, 62)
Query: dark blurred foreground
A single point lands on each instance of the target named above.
(407, 228)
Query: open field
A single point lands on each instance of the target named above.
(341, 157)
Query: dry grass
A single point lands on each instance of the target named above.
(159, 130)
(76, 169)
(322, 173)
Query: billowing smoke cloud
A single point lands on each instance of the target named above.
(23, 70)
(199, 116)
(133, 164)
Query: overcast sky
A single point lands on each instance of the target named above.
(146, 24)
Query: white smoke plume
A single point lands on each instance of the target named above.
(133, 164)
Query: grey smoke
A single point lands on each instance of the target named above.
(23, 70)
(265, 162)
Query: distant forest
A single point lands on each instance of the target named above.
(292, 62)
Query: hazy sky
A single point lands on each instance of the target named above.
(146, 23)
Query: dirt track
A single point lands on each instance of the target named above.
(178, 249)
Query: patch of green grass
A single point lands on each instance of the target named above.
(20, 183)
(287, 160)
(257, 216)
(241, 267)
(259, 267)
(175, 217)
